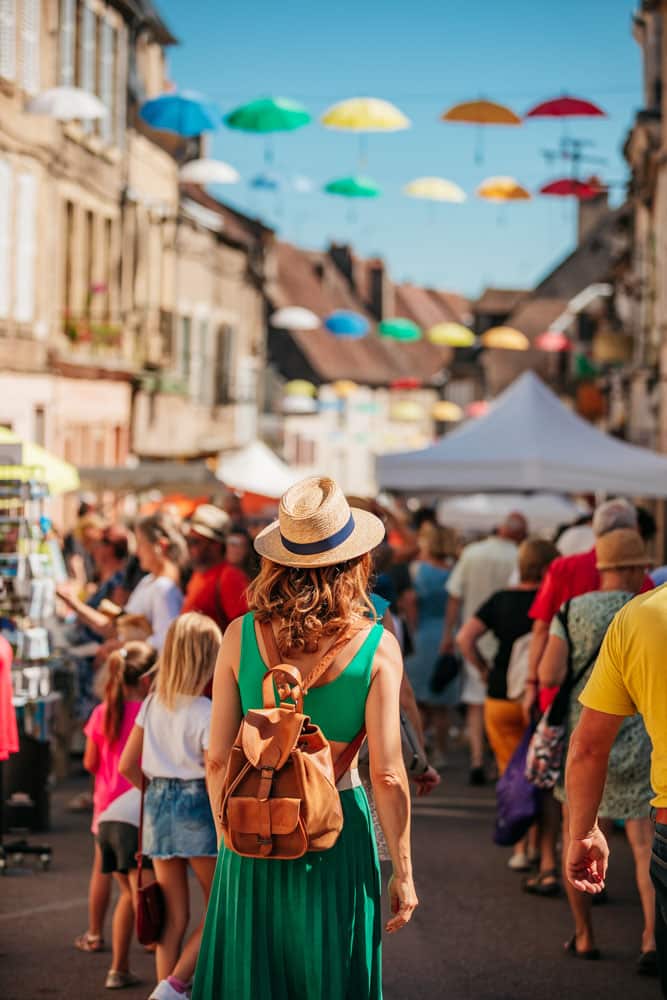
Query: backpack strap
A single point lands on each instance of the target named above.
(275, 659)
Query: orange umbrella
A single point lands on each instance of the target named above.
(502, 189)
(505, 338)
(480, 113)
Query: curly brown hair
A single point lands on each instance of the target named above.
(311, 602)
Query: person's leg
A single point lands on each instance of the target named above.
(580, 902)
(99, 892)
(122, 925)
(440, 721)
(184, 970)
(550, 825)
(172, 874)
(475, 719)
(640, 836)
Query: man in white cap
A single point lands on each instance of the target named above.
(216, 588)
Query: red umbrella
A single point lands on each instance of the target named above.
(566, 107)
(477, 408)
(569, 186)
(406, 383)
(553, 341)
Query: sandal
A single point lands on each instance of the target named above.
(570, 948)
(119, 980)
(647, 963)
(543, 884)
(89, 942)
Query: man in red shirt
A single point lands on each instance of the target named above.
(216, 588)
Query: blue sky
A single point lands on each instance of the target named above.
(423, 56)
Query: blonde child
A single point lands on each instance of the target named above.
(169, 742)
(116, 801)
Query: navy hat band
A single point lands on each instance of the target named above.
(322, 545)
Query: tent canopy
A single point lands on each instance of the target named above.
(256, 469)
(23, 460)
(528, 440)
(190, 478)
(484, 511)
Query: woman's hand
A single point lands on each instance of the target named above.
(403, 901)
(587, 860)
(427, 781)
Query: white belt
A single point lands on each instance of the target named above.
(349, 780)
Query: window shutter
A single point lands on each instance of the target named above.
(67, 36)
(121, 86)
(87, 54)
(106, 80)
(5, 236)
(26, 226)
(8, 39)
(30, 46)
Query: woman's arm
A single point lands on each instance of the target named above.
(91, 756)
(225, 715)
(129, 765)
(100, 623)
(552, 668)
(467, 638)
(166, 605)
(388, 777)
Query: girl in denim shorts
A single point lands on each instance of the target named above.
(169, 743)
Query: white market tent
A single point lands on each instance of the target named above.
(256, 469)
(482, 512)
(527, 440)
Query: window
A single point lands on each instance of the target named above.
(89, 252)
(223, 392)
(5, 238)
(39, 426)
(30, 28)
(67, 42)
(8, 39)
(107, 248)
(68, 257)
(105, 82)
(87, 53)
(204, 387)
(120, 86)
(26, 246)
(185, 347)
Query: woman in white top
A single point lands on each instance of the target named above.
(169, 742)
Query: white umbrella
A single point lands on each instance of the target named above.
(208, 172)
(295, 318)
(299, 404)
(67, 104)
(256, 469)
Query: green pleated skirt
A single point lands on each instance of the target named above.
(308, 929)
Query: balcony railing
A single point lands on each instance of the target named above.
(97, 335)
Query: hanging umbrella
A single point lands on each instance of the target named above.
(406, 411)
(353, 187)
(446, 413)
(300, 387)
(451, 335)
(295, 318)
(553, 341)
(480, 113)
(435, 189)
(344, 388)
(67, 104)
(365, 114)
(268, 114)
(208, 172)
(584, 368)
(299, 404)
(505, 338)
(184, 112)
(477, 408)
(406, 383)
(38, 463)
(399, 328)
(302, 184)
(265, 181)
(566, 187)
(345, 323)
(502, 189)
(566, 107)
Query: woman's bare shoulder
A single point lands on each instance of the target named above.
(388, 655)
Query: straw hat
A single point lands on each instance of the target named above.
(317, 527)
(621, 548)
(210, 522)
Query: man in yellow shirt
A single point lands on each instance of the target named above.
(630, 676)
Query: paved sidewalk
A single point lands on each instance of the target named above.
(476, 936)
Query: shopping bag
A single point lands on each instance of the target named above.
(517, 801)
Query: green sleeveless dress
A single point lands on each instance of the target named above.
(308, 929)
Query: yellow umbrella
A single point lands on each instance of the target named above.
(502, 189)
(300, 387)
(481, 113)
(435, 189)
(365, 114)
(407, 411)
(344, 388)
(446, 412)
(37, 462)
(505, 338)
(451, 335)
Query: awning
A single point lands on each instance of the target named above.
(190, 478)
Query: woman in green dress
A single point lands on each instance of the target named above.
(311, 927)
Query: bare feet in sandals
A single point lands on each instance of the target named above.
(89, 942)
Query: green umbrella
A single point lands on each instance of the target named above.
(268, 114)
(584, 367)
(354, 187)
(399, 328)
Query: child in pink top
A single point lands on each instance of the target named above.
(107, 731)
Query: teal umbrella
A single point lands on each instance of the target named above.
(399, 328)
(354, 187)
(266, 115)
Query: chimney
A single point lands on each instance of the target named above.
(381, 292)
(341, 255)
(591, 211)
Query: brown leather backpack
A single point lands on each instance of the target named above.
(279, 796)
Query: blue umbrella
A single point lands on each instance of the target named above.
(265, 182)
(344, 323)
(184, 112)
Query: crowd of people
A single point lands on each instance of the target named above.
(398, 598)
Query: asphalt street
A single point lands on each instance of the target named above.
(475, 936)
